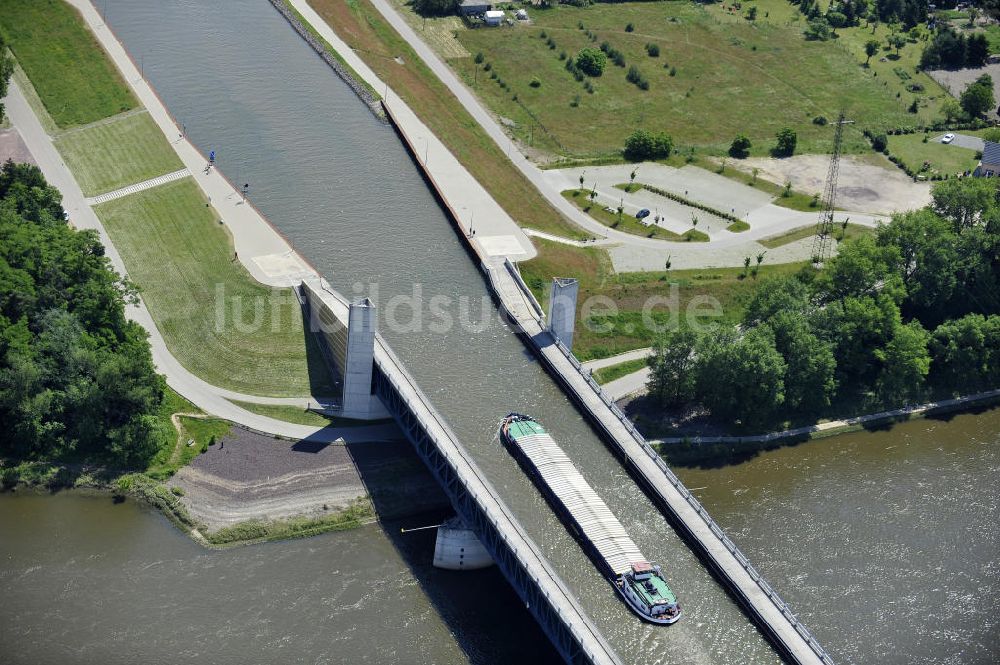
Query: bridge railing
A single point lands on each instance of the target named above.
(582, 631)
(713, 526)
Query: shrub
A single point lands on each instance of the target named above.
(786, 141)
(653, 50)
(177, 491)
(740, 147)
(629, 28)
(619, 58)
(880, 143)
(591, 61)
(479, 58)
(820, 120)
(562, 55)
(487, 67)
(535, 83)
(673, 71)
(641, 144)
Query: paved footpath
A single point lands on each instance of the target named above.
(249, 234)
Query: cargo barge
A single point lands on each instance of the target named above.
(640, 583)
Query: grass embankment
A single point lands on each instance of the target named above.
(73, 78)
(716, 76)
(839, 234)
(121, 151)
(217, 320)
(256, 531)
(600, 334)
(362, 27)
(293, 414)
(609, 374)
(941, 159)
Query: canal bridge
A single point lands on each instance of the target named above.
(375, 379)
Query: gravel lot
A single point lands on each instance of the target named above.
(12, 147)
(253, 476)
(861, 186)
(956, 81)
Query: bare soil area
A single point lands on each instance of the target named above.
(864, 185)
(250, 476)
(12, 147)
(956, 81)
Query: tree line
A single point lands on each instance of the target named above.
(77, 380)
(906, 314)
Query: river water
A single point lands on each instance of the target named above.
(340, 186)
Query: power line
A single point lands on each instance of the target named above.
(824, 227)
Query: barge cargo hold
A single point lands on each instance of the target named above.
(640, 583)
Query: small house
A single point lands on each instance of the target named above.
(493, 17)
(474, 7)
(989, 165)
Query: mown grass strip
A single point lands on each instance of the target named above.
(362, 27)
(220, 323)
(64, 61)
(609, 374)
(120, 152)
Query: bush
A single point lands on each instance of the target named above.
(820, 120)
(673, 71)
(653, 50)
(629, 28)
(641, 145)
(535, 83)
(740, 147)
(435, 7)
(177, 491)
(619, 58)
(636, 77)
(591, 61)
(479, 58)
(786, 141)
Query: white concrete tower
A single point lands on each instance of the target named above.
(562, 309)
(360, 361)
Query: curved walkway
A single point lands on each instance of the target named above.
(648, 250)
(205, 396)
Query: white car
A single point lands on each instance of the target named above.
(947, 138)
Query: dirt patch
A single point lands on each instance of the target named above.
(864, 185)
(250, 476)
(13, 147)
(956, 81)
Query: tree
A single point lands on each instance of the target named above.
(591, 61)
(435, 7)
(905, 363)
(836, 20)
(818, 29)
(965, 354)
(977, 50)
(775, 296)
(671, 367)
(897, 41)
(785, 146)
(978, 98)
(641, 145)
(740, 147)
(991, 134)
(951, 110)
(76, 377)
(871, 48)
(741, 378)
(810, 371)
(963, 202)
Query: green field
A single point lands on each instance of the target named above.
(731, 77)
(840, 233)
(941, 159)
(67, 66)
(608, 374)
(122, 151)
(604, 335)
(293, 414)
(217, 320)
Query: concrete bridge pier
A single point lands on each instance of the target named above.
(562, 309)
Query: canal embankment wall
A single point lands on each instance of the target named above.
(353, 81)
(730, 566)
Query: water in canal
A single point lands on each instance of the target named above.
(341, 187)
